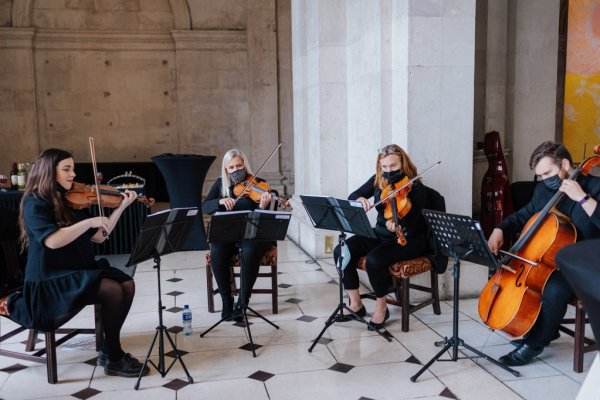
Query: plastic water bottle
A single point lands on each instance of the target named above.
(186, 316)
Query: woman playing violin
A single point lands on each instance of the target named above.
(235, 172)
(393, 165)
(552, 163)
(62, 275)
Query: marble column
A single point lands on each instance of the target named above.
(370, 73)
(532, 79)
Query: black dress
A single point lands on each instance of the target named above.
(58, 282)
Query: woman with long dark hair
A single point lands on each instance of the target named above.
(62, 275)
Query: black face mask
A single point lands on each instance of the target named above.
(553, 182)
(238, 176)
(393, 176)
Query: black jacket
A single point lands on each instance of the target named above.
(587, 227)
(413, 224)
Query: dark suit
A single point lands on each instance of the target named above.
(557, 292)
(580, 267)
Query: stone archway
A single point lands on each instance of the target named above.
(181, 14)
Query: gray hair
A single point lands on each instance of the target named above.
(225, 180)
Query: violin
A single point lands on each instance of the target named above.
(397, 206)
(253, 189)
(84, 196)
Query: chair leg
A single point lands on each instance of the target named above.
(31, 339)
(51, 366)
(209, 289)
(579, 339)
(435, 292)
(98, 326)
(405, 303)
(274, 289)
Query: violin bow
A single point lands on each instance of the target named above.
(393, 193)
(95, 168)
(258, 172)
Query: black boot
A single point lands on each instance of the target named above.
(238, 313)
(227, 307)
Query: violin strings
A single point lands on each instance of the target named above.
(258, 172)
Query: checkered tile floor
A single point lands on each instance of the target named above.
(348, 362)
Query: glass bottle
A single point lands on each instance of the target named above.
(21, 177)
(14, 183)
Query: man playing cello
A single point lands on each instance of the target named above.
(552, 163)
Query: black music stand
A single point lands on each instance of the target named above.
(163, 233)
(263, 225)
(459, 236)
(344, 216)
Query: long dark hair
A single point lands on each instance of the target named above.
(41, 182)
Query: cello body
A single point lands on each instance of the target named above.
(511, 301)
(496, 202)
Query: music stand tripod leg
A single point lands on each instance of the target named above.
(455, 341)
(245, 308)
(160, 331)
(339, 310)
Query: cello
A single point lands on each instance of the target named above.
(496, 201)
(511, 299)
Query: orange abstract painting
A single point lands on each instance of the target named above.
(581, 118)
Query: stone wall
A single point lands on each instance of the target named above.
(145, 77)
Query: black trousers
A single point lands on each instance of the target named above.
(555, 299)
(251, 253)
(579, 264)
(380, 254)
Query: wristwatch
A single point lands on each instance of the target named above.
(584, 199)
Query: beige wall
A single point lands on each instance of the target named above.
(145, 77)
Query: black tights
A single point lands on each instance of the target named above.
(115, 298)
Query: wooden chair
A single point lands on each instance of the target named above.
(12, 268)
(582, 343)
(403, 271)
(51, 343)
(268, 259)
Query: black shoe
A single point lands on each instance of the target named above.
(238, 313)
(520, 356)
(361, 312)
(518, 342)
(102, 358)
(375, 327)
(128, 367)
(227, 308)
